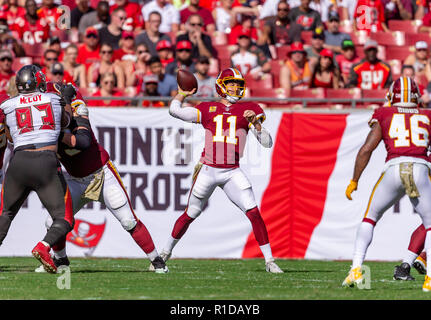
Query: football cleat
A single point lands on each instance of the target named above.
(420, 265)
(159, 265)
(60, 263)
(427, 284)
(41, 253)
(402, 272)
(272, 267)
(353, 278)
(164, 255)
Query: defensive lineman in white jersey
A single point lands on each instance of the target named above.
(33, 120)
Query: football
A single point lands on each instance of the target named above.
(186, 80)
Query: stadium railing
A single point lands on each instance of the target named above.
(273, 102)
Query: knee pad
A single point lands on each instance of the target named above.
(62, 225)
(115, 197)
(128, 224)
(202, 186)
(195, 206)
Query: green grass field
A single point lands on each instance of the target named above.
(189, 279)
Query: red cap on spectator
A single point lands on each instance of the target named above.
(127, 34)
(327, 53)
(3, 15)
(296, 47)
(91, 30)
(244, 32)
(184, 44)
(163, 44)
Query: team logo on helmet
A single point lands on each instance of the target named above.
(226, 76)
(403, 92)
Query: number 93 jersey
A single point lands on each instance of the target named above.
(405, 131)
(225, 131)
(33, 118)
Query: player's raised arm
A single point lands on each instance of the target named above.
(363, 156)
(188, 114)
(262, 135)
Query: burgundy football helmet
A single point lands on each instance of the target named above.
(403, 92)
(223, 78)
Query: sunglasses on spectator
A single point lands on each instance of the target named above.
(57, 73)
(196, 24)
(122, 17)
(283, 9)
(129, 38)
(106, 52)
(6, 58)
(50, 59)
(92, 35)
(142, 51)
(184, 50)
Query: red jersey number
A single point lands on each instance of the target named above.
(25, 119)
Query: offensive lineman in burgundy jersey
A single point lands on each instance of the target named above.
(227, 123)
(93, 177)
(405, 129)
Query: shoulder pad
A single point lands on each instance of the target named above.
(82, 110)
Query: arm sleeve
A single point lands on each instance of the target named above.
(188, 114)
(263, 136)
(83, 139)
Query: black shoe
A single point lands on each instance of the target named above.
(419, 267)
(159, 265)
(402, 272)
(61, 262)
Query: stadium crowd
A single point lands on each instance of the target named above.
(346, 49)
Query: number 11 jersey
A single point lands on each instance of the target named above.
(226, 131)
(33, 118)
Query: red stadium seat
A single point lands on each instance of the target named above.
(275, 70)
(395, 38)
(359, 37)
(399, 53)
(277, 93)
(374, 94)
(408, 26)
(34, 50)
(18, 63)
(282, 52)
(63, 35)
(214, 67)
(306, 36)
(265, 83)
(412, 38)
(348, 93)
(224, 53)
(218, 38)
(395, 66)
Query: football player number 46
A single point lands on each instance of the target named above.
(417, 135)
(25, 119)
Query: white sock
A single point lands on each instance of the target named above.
(428, 251)
(363, 240)
(267, 253)
(60, 254)
(410, 257)
(153, 255)
(46, 244)
(170, 245)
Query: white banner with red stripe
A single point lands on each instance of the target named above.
(299, 185)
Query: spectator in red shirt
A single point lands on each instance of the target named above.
(32, 29)
(139, 68)
(51, 13)
(127, 47)
(325, 74)
(346, 59)
(107, 89)
(54, 43)
(58, 75)
(165, 52)
(371, 73)
(13, 11)
(72, 69)
(420, 61)
(49, 58)
(6, 72)
(106, 65)
(89, 51)
(149, 89)
(246, 25)
(194, 7)
(370, 16)
(134, 21)
(426, 20)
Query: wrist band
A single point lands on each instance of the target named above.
(183, 94)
